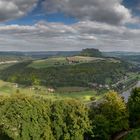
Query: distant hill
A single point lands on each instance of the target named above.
(46, 54)
(91, 53)
(119, 54)
(126, 56)
(38, 55)
(64, 72)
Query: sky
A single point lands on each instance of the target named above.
(69, 25)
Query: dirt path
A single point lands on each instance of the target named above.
(121, 135)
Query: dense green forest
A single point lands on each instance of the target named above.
(30, 117)
(91, 52)
(81, 74)
(38, 118)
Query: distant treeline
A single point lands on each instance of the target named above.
(14, 58)
(38, 54)
(134, 58)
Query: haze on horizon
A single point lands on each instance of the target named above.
(69, 25)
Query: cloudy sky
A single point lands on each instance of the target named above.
(50, 25)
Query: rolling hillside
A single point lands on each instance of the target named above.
(69, 71)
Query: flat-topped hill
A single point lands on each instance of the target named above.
(91, 52)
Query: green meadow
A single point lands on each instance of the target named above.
(59, 61)
(75, 92)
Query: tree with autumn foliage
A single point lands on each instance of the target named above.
(109, 116)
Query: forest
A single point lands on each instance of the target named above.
(100, 72)
(34, 117)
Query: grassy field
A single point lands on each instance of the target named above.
(76, 93)
(83, 95)
(10, 88)
(59, 61)
(55, 61)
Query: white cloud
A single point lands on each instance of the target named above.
(108, 11)
(11, 9)
(57, 36)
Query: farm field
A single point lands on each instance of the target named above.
(59, 61)
(7, 88)
(55, 61)
(83, 95)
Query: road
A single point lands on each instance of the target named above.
(127, 93)
(8, 62)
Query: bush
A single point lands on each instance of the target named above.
(134, 107)
(134, 135)
(25, 117)
(30, 117)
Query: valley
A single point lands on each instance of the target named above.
(87, 80)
